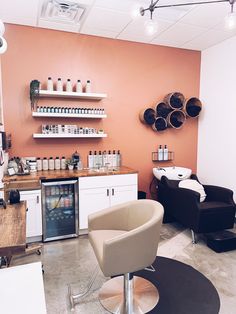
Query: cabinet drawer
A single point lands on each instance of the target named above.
(106, 181)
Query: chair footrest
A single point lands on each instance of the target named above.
(221, 241)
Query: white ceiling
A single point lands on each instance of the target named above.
(192, 27)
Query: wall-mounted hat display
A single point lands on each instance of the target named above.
(171, 112)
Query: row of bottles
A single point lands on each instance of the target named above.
(64, 202)
(66, 110)
(108, 159)
(68, 86)
(68, 129)
(163, 153)
(59, 190)
(51, 163)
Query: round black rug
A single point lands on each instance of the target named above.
(182, 289)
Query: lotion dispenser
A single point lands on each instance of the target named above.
(165, 154)
(160, 153)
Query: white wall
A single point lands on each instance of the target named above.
(217, 123)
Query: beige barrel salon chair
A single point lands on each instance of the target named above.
(125, 239)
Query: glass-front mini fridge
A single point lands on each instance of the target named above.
(60, 209)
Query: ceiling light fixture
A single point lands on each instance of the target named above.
(230, 20)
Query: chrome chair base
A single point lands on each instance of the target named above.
(145, 296)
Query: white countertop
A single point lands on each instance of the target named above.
(22, 290)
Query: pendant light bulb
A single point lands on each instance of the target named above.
(2, 28)
(230, 21)
(151, 27)
(3, 45)
(135, 11)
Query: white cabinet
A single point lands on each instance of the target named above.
(96, 193)
(34, 213)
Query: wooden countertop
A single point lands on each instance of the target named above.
(60, 174)
(13, 229)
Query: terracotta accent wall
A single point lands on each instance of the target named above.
(134, 75)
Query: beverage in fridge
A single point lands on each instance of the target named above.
(60, 209)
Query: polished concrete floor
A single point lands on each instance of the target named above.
(72, 262)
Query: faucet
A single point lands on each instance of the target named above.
(160, 168)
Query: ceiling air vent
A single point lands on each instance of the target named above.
(59, 14)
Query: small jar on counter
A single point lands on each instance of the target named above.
(45, 163)
(57, 163)
(51, 164)
(39, 164)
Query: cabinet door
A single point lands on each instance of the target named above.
(34, 213)
(90, 201)
(122, 194)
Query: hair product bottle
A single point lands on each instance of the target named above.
(59, 85)
(68, 86)
(114, 159)
(45, 163)
(63, 163)
(160, 153)
(165, 153)
(90, 160)
(79, 87)
(88, 87)
(50, 84)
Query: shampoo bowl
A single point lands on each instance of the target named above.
(172, 173)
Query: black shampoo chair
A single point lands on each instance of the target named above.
(216, 213)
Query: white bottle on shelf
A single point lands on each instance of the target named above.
(110, 159)
(79, 87)
(45, 164)
(39, 164)
(59, 85)
(165, 153)
(51, 164)
(95, 159)
(114, 159)
(88, 87)
(68, 86)
(57, 163)
(50, 84)
(118, 161)
(99, 158)
(63, 163)
(90, 160)
(104, 159)
(160, 153)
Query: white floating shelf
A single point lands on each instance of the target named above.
(68, 115)
(95, 96)
(40, 135)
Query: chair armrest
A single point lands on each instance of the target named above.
(112, 218)
(217, 193)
